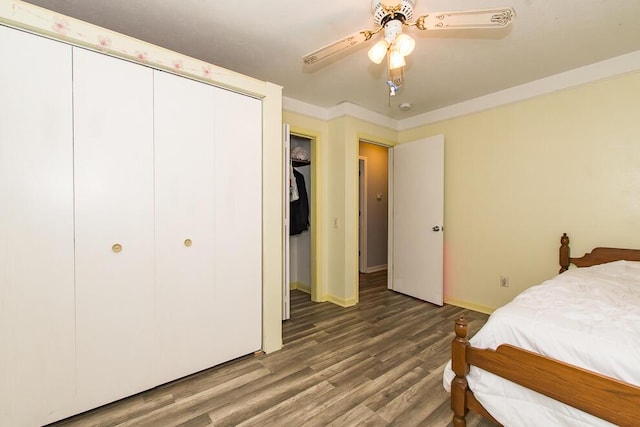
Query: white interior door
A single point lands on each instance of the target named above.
(113, 125)
(184, 226)
(416, 216)
(286, 274)
(238, 223)
(37, 308)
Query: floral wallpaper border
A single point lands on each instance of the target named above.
(19, 14)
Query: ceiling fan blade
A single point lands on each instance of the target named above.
(482, 18)
(338, 46)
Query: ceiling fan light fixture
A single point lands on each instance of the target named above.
(383, 10)
(392, 29)
(396, 59)
(378, 51)
(405, 44)
(393, 16)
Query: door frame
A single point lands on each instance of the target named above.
(390, 219)
(286, 247)
(318, 288)
(362, 214)
(362, 240)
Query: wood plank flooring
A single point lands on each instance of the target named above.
(379, 363)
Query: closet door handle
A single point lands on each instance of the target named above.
(188, 242)
(117, 247)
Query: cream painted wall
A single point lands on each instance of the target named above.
(335, 180)
(518, 176)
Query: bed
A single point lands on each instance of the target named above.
(565, 352)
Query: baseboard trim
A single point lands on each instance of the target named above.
(342, 302)
(375, 268)
(325, 298)
(300, 287)
(469, 305)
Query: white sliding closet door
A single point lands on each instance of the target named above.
(185, 190)
(37, 346)
(113, 121)
(238, 223)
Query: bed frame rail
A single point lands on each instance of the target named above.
(599, 395)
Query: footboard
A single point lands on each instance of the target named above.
(599, 395)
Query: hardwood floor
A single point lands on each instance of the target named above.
(379, 363)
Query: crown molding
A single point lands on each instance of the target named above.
(352, 110)
(592, 73)
(304, 108)
(341, 110)
(599, 71)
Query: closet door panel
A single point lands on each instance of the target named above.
(37, 359)
(184, 166)
(238, 223)
(113, 120)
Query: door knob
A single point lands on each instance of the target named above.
(188, 242)
(436, 228)
(116, 248)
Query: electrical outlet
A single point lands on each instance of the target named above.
(504, 281)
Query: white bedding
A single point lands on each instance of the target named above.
(588, 317)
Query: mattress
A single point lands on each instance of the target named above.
(588, 317)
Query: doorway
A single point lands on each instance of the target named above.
(373, 178)
(298, 197)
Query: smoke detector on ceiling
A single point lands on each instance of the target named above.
(405, 106)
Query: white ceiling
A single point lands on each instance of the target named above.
(266, 39)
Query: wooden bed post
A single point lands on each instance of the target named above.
(460, 367)
(565, 253)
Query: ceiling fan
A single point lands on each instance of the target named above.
(396, 45)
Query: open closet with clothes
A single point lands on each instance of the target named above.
(300, 204)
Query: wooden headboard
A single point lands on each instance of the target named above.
(595, 257)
